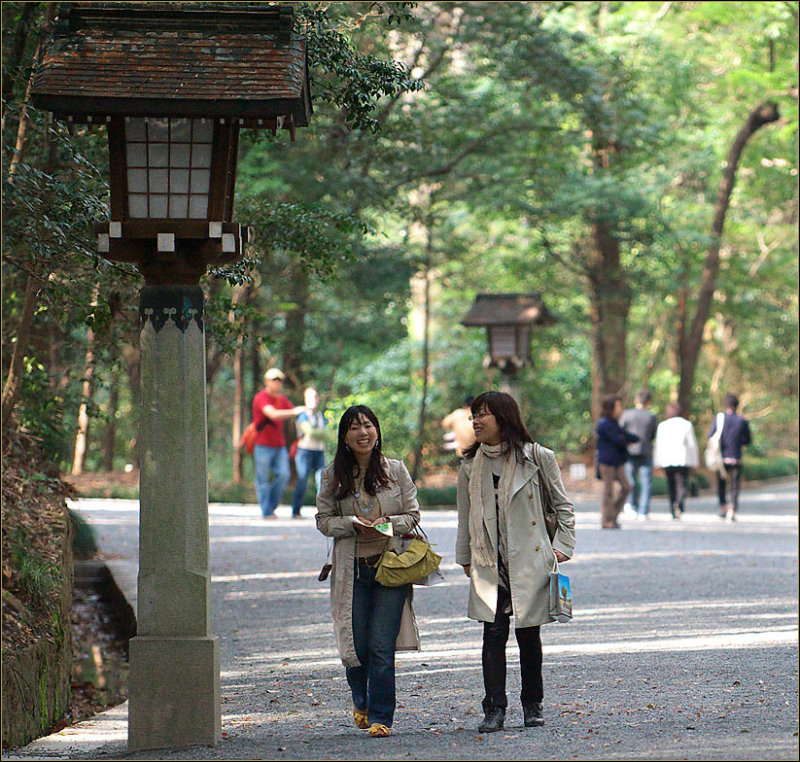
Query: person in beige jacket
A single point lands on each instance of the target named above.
(366, 502)
(505, 548)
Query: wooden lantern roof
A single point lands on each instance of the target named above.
(176, 60)
(508, 309)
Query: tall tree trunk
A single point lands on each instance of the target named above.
(110, 433)
(238, 412)
(256, 371)
(609, 298)
(764, 114)
(294, 335)
(22, 127)
(13, 384)
(425, 369)
(16, 50)
(239, 297)
(131, 357)
(82, 435)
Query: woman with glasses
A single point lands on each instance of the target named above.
(506, 550)
(366, 502)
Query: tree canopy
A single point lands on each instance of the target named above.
(582, 150)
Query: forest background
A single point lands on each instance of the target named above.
(634, 162)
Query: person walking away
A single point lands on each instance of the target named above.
(270, 456)
(735, 435)
(639, 466)
(505, 549)
(612, 452)
(458, 422)
(310, 455)
(360, 490)
(676, 452)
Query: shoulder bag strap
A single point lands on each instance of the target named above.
(543, 481)
(550, 516)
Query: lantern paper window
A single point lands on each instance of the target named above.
(168, 167)
(504, 340)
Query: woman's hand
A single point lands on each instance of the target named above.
(366, 528)
(560, 557)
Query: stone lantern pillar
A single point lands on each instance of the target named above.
(172, 84)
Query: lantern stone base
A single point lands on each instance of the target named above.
(183, 710)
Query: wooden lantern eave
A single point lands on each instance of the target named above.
(109, 61)
(514, 311)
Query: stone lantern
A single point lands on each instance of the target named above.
(508, 319)
(173, 84)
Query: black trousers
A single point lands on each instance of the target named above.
(734, 473)
(495, 637)
(677, 480)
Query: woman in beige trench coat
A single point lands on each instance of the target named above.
(504, 547)
(360, 492)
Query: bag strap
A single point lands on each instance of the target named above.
(415, 532)
(547, 496)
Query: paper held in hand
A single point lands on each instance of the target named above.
(385, 528)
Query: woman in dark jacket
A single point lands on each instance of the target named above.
(612, 452)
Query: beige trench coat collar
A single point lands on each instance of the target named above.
(523, 473)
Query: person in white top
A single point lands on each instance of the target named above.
(676, 452)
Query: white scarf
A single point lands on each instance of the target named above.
(479, 542)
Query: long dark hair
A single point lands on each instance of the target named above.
(345, 465)
(513, 433)
(607, 405)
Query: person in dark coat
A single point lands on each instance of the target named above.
(612, 452)
(735, 435)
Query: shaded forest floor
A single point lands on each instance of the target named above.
(35, 531)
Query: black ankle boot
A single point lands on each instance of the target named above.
(493, 720)
(533, 715)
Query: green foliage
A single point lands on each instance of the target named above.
(37, 577)
(762, 469)
(342, 75)
(436, 496)
(444, 147)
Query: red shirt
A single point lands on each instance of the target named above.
(272, 434)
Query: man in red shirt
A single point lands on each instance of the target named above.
(271, 458)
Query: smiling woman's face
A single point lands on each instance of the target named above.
(484, 424)
(361, 436)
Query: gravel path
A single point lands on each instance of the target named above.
(684, 645)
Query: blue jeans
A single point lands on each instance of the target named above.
(377, 611)
(272, 472)
(639, 471)
(306, 462)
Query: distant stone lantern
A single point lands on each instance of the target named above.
(508, 319)
(173, 84)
